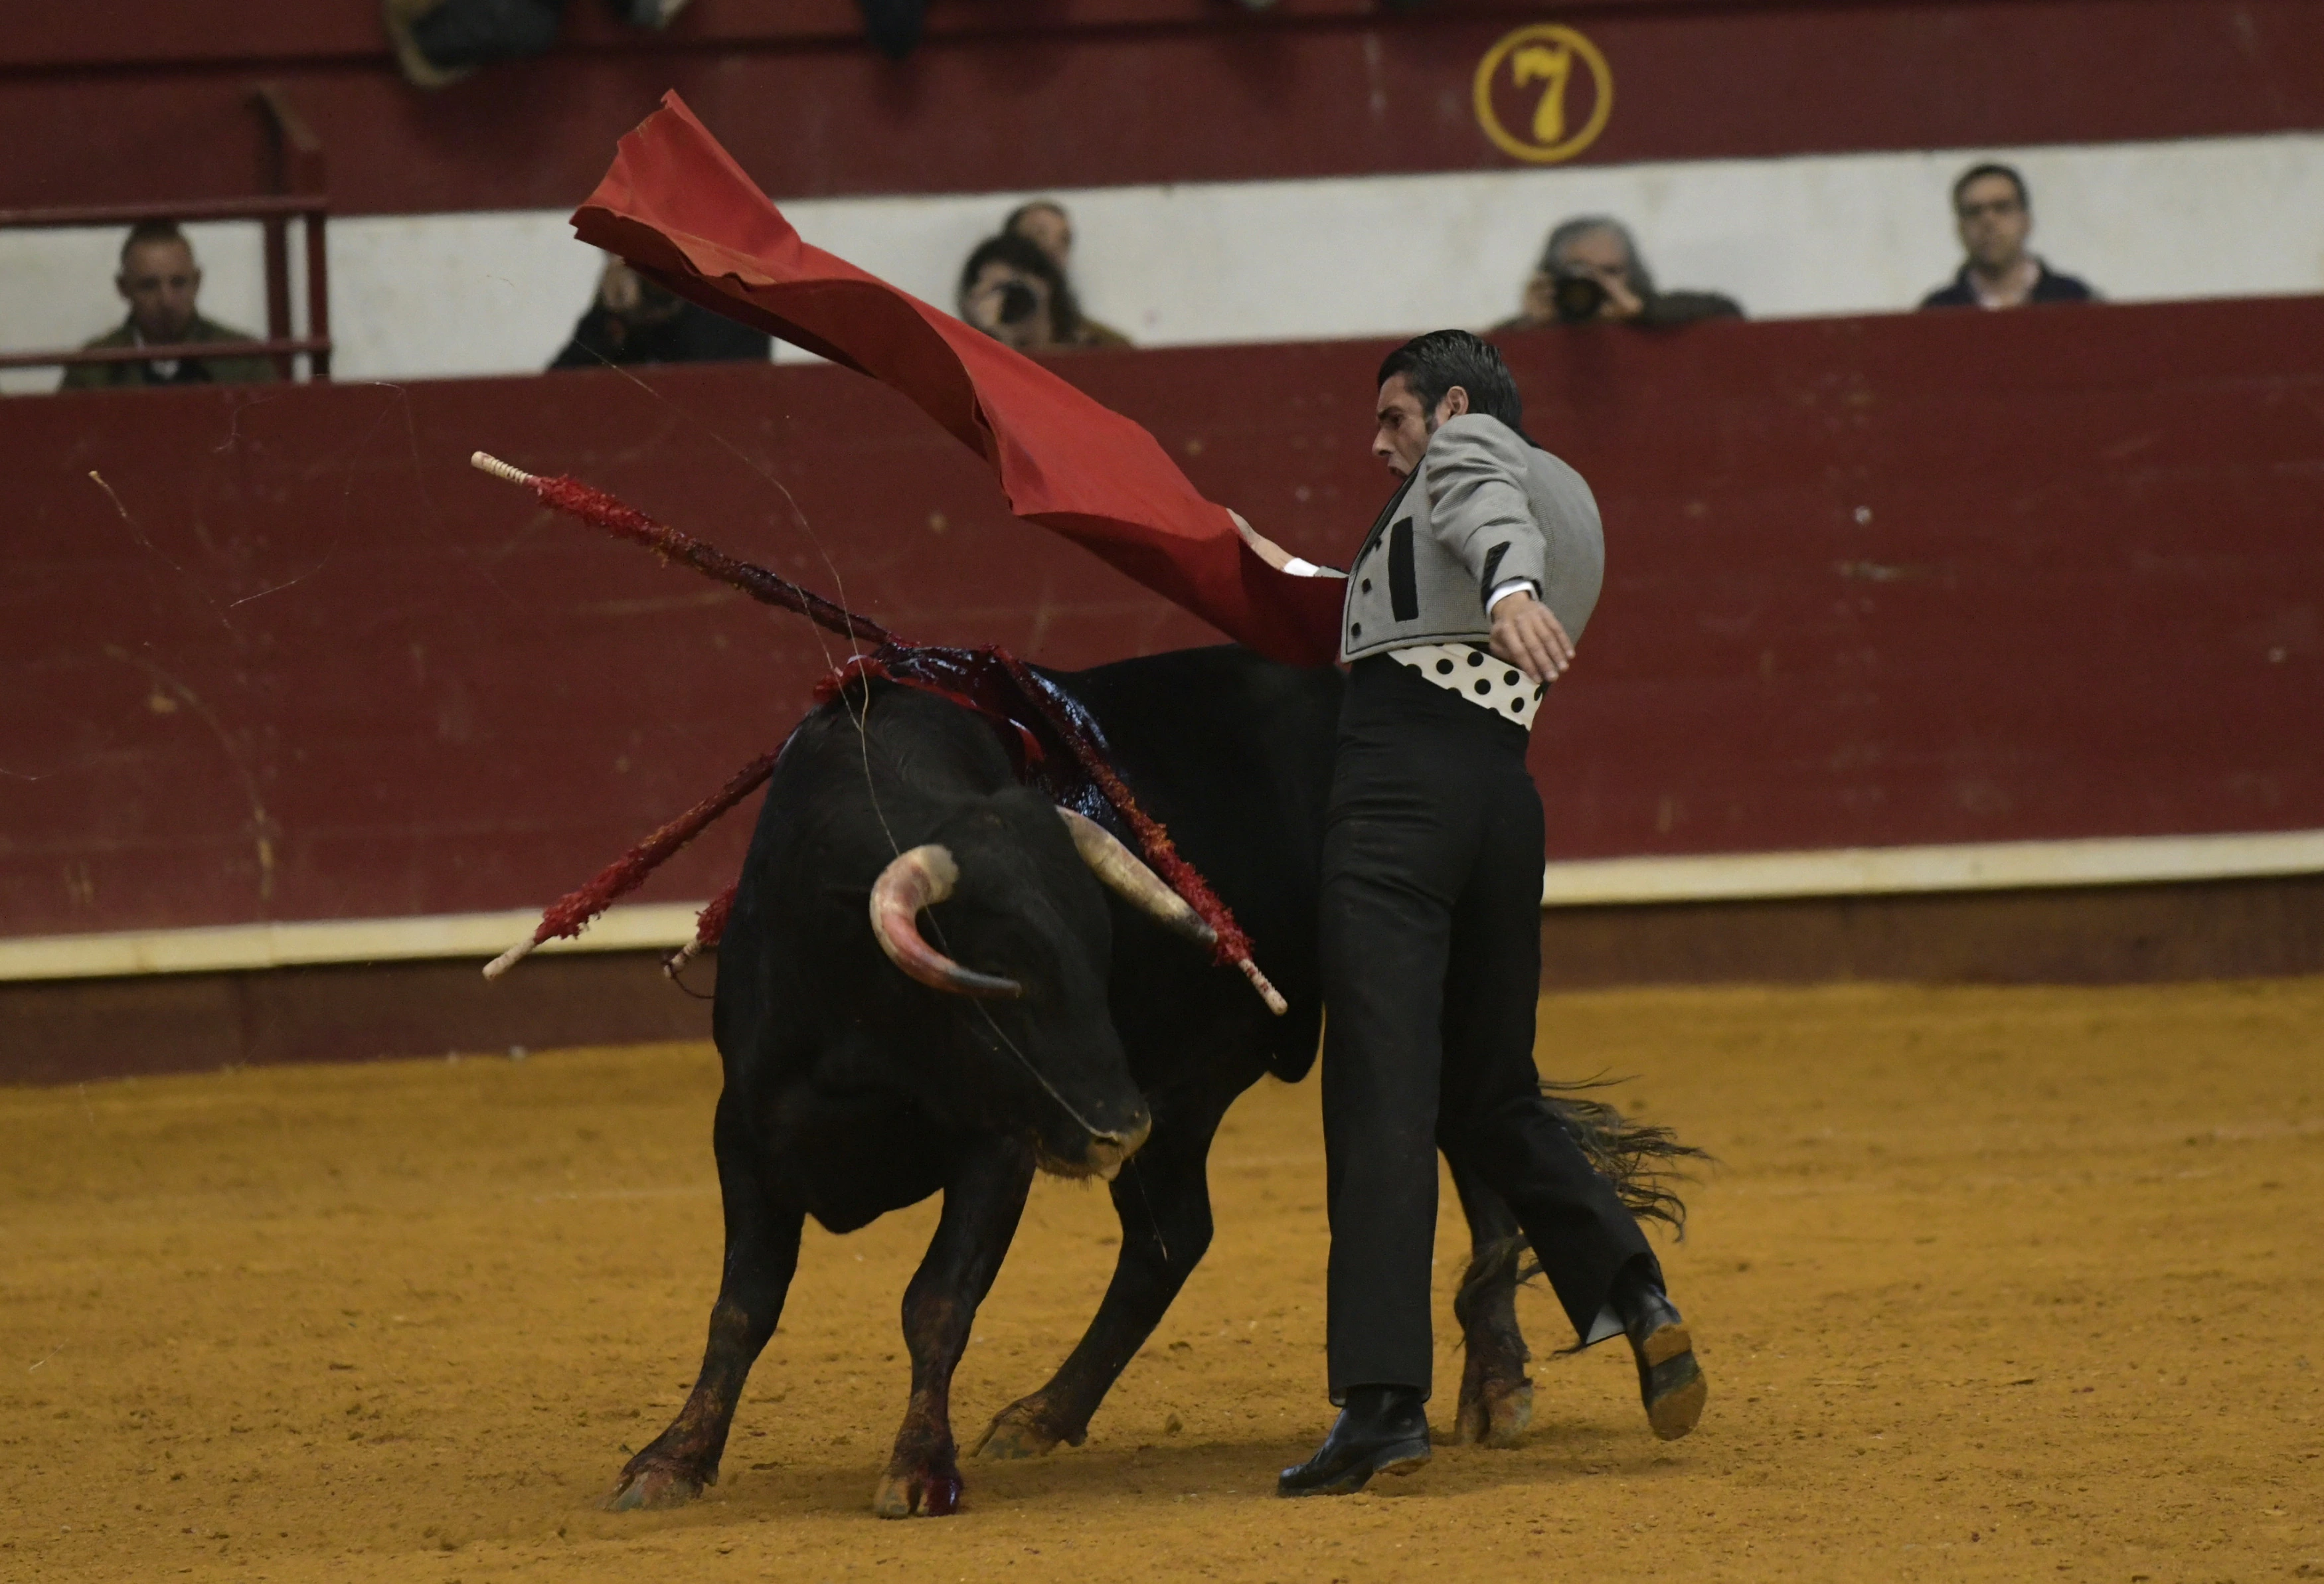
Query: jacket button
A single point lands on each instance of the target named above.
(1355, 629)
(1368, 586)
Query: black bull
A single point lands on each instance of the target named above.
(851, 1092)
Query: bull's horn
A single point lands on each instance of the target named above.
(1125, 874)
(920, 879)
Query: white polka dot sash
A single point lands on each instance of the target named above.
(1477, 676)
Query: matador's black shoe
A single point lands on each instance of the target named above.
(1383, 1430)
(1670, 1382)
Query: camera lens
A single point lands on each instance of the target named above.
(1578, 297)
(1017, 302)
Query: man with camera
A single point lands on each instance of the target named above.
(1461, 610)
(1014, 291)
(1044, 224)
(1590, 272)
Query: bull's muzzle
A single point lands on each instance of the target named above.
(1107, 1151)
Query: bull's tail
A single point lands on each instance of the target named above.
(1643, 1160)
(1495, 1263)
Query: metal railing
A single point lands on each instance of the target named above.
(301, 195)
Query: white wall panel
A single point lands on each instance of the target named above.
(421, 296)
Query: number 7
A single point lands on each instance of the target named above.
(1545, 63)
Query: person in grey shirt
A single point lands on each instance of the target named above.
(1462, 609)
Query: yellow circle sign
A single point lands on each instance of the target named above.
(1533, 69)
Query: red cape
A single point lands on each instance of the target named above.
(677, 205)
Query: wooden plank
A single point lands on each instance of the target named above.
(302, 662)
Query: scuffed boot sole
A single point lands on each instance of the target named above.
(1671, 1383)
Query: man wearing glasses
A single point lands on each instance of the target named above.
(1995, 217)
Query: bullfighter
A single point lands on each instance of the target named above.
(1461, 610)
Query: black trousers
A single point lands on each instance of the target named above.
(1431, 937)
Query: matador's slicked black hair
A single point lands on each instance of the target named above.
(1433, 363)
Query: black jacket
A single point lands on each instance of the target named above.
(693, 334)
(2048, 286)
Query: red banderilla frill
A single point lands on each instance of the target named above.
(570, 914)
(966, 677)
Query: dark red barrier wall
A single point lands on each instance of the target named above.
(140, 100)
(1911, 579)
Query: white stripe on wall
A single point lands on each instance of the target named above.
(1980, 866)
(239, 947)
(1847, 871)
(419, 296)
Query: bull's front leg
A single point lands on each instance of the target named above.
(762, 1245)
(983, 1201)
(1163, 1199)
(1496, 1397)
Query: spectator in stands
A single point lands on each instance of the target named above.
(1591, 272)
(1995, 216)
(1044, 224)
(160, 281)
(893, 27)
(437, 42)
(635, 321)
(1015, 293)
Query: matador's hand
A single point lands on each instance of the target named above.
(1528, 635)
(1268, 551)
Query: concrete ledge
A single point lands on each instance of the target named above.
(2249, 927)
(1844, 872)
(67, 1030)
(242, 947)
(1980, 866)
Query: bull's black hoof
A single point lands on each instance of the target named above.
(649, 1482)
(1022, 1430)
(1494, 1413)
(919, 1493)
(1383, 1430)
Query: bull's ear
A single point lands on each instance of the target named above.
(1125, 874)
(922, 878)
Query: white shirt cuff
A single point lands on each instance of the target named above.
(1503, 590)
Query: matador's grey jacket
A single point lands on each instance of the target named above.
(1484, 506)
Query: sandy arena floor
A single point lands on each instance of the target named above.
(1992, 1284)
